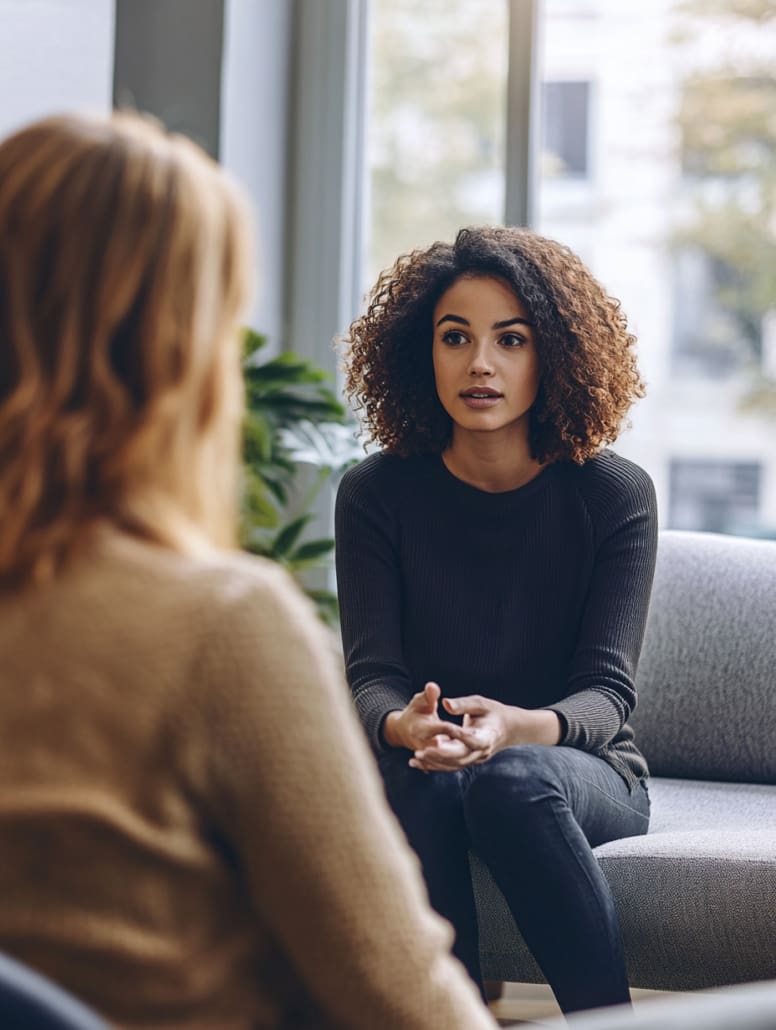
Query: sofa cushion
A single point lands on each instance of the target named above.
(707, 676)
(692, 806)
(695, 896)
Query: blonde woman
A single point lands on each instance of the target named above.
(191, 832)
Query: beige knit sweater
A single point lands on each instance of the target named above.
(192, 833)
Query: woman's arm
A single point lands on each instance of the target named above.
(601, 686)
(329, 872)
(370, 599)
(369, 590)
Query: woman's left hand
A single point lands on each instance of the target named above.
(492, 726)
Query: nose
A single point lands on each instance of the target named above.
(480, 364)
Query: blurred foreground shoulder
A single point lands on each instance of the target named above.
(256, 596)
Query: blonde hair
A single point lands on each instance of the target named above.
(124, 271)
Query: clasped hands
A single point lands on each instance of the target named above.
(488, 726)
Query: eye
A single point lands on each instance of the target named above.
(512, 341)
(453, 338)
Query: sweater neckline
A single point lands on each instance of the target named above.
(474, 495)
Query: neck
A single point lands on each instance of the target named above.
(491, 464)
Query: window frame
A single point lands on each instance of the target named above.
(327, 192)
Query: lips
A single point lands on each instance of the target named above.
(480, 397)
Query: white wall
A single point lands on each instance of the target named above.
(58, 55)
(254, 137)
(55, 55)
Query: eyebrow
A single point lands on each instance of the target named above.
(496, 325)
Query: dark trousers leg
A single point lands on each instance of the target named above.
(430, 808)
(533, 815)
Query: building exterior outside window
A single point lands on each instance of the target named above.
(565, 108)
(708, 338)
(716, 496)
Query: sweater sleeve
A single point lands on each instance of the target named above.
(369, 588)
(602, 691)
(297, 795)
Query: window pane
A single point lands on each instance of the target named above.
(717, 496)
(660, 173)
(565, 108)
(435, 132)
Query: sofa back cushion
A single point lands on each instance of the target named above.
(707, 676)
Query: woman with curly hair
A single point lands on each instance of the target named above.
(494, 563)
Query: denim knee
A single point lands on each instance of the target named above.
(508, 787)
(435, 796)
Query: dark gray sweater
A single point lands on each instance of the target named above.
(536, 597)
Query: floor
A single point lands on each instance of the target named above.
(533, 1004)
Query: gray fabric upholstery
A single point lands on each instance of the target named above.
(707, 676)
(697, 895)
(683, 806)
(752, 1007)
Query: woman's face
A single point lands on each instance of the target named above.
(485, 361)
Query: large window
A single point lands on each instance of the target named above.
(653, 159)
(436, 122)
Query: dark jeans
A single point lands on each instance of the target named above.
(532, 814)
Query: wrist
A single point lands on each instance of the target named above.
(390, 729)
(547, 726)
(515, 726)
(533, 726)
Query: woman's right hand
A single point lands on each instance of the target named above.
(418, 725)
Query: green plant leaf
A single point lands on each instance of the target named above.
(310, 552)
(294, 423)
(252, 342)
(327, 604)
(258, 438)
(259, 506)
(287, 537)
(253, 546)
(285, 368)
(288, 407)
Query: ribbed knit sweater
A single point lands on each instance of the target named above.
(535, 597)
(192, 831)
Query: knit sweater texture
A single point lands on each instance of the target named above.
(192, 831)
(535, 597)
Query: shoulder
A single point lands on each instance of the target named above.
(380, 479)
(213, 590)
(245, 594)
(613, 488)
(609, 473)
(235, 578)
(380, 468)
(250, 620)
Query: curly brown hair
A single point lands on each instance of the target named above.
(588, 372)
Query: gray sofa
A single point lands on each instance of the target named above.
(696, 896)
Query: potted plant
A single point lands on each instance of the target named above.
(296, 440)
